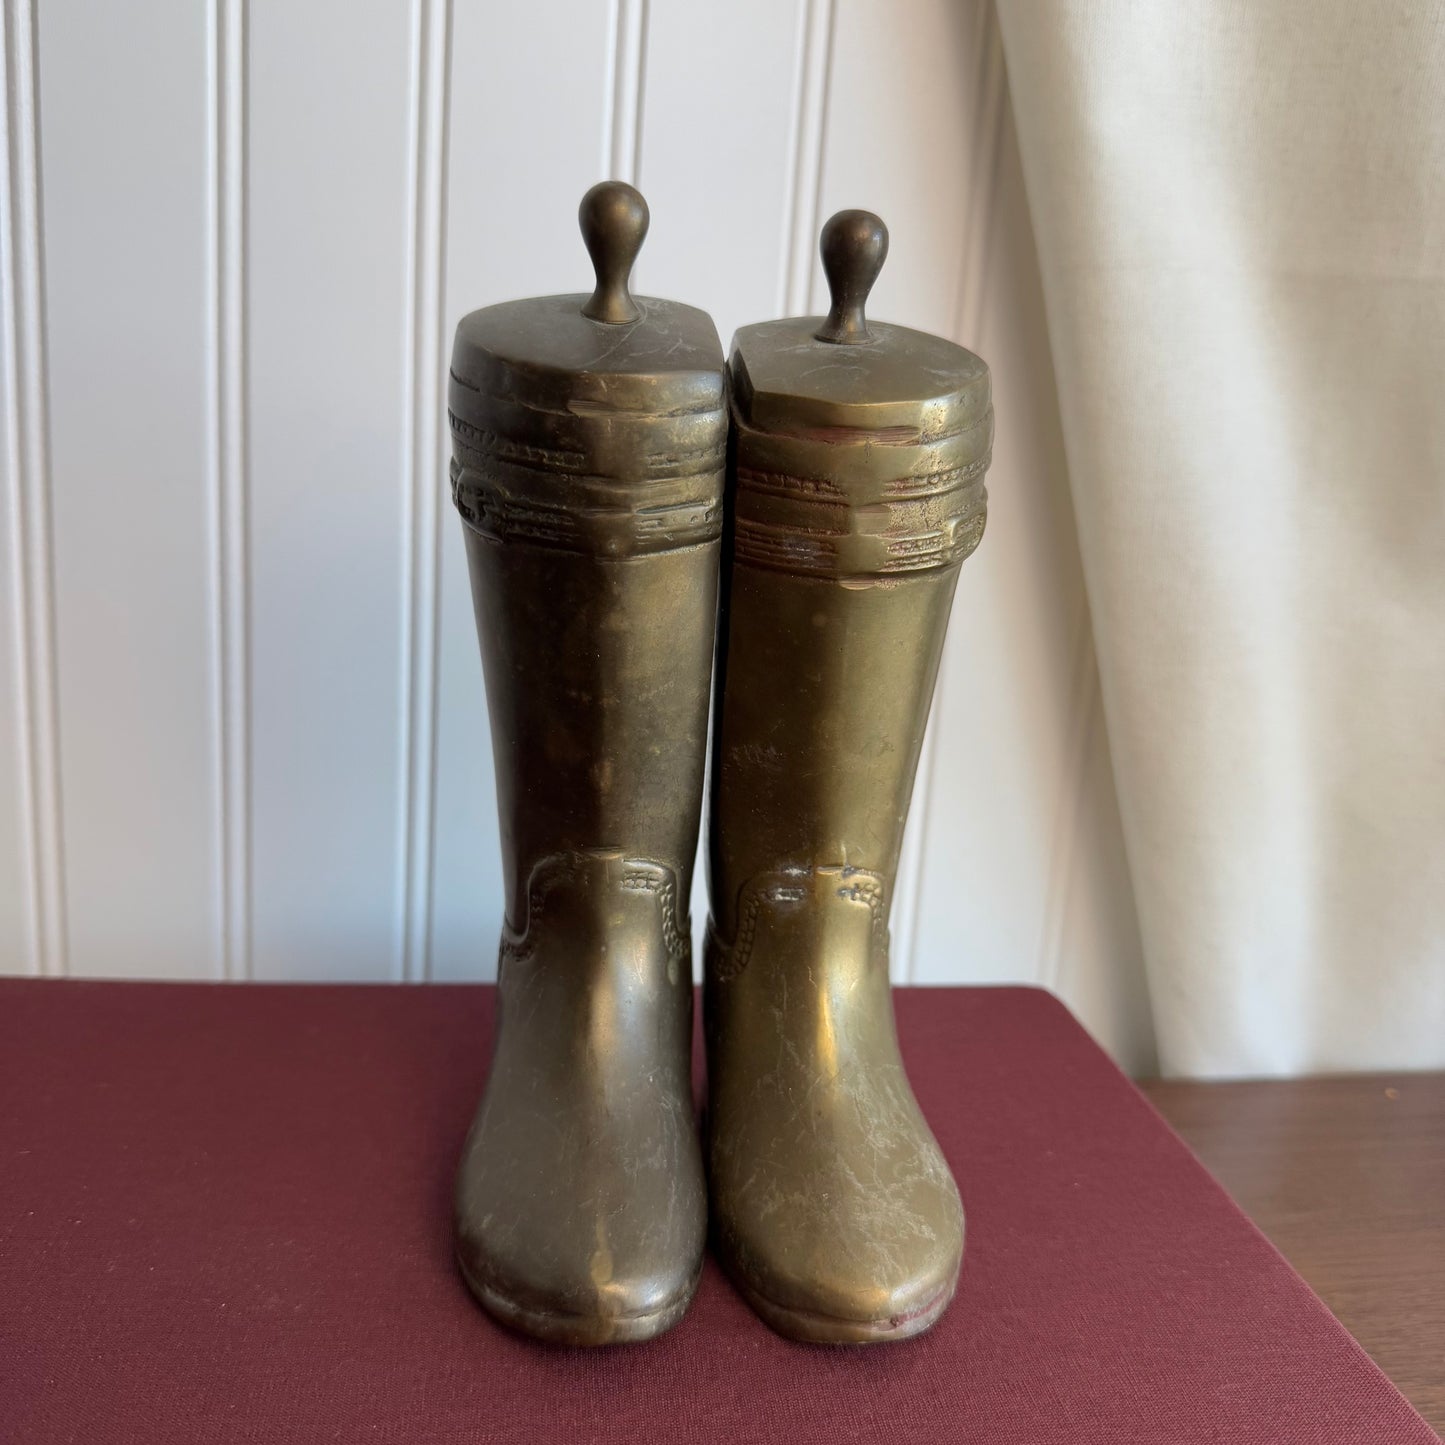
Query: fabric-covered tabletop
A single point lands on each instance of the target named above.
(224, 1216)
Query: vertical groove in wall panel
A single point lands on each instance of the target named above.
(626, 79)
(19, 942)
(422, 468)
(801, 218)
(27, 467)
(127, 313)
(227, 442)
(329, 224)
(983, 143)
(720, 236)
(511, 230)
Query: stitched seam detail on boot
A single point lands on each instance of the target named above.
(869, 891)
(671, 514)
(677, 944)
(725, 961)
(720, 959)
(515, 947)
(519, 945)
(733, 958)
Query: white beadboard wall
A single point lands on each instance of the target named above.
(242, 727)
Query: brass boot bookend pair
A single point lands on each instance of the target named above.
(599, 495)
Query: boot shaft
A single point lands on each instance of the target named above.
(823, 690)
(597, 671)
(855, 491)
(589, 440)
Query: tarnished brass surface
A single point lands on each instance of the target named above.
(855, 492)
(589, 437)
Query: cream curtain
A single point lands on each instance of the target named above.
(1240, 212)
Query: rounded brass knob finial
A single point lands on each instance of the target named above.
(854, 245)
(613, 217)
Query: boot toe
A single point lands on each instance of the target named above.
(825, 1258)
(575, 1297)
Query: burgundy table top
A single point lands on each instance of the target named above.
(224, 1217)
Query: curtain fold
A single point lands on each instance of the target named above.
(1242, 239)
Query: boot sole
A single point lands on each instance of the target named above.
(819, 1329)
(560, 1328)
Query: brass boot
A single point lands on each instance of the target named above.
(590, 437)
(856, 490)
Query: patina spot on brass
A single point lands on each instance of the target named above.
(856, 489)
(589, 437)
